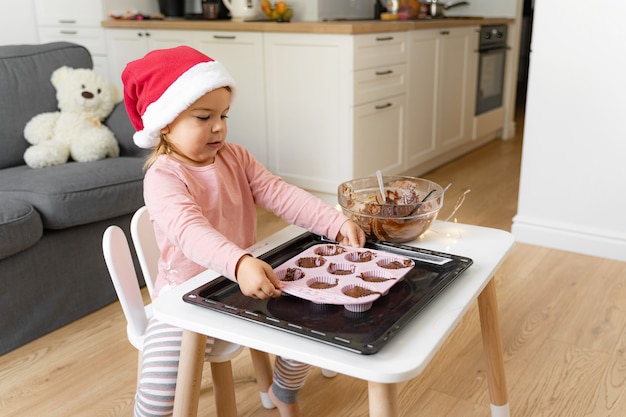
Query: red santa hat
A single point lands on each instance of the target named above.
(165, 82)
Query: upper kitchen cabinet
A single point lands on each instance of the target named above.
(442, 87)
(335, 112)
(76, 21)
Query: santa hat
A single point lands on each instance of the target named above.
(161, 85)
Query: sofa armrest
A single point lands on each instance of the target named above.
(20, 226)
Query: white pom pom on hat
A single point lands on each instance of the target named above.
(165, 82)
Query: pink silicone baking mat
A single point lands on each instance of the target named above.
(335, 274)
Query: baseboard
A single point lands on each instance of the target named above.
(557, 236)
(509, 130)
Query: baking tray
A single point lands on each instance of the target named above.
(360, 332)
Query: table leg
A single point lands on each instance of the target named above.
(492, 344)
(263, 371)
(223, 385)
(383, 399)
(189, 377)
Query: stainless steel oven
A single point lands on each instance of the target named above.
(492, 49)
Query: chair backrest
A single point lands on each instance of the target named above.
(146, 246)
(119, 262)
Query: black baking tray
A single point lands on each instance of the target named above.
(366, 332)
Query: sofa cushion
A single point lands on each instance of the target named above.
(20, 227)
(77, 192)
(26, 90)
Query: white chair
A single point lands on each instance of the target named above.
(147, 251)
(146, 247)
(119, 262)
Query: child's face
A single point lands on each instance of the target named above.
(200, 131)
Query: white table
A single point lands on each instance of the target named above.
(403, 358)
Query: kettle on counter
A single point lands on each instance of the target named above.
(242, 9)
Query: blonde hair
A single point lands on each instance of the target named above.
(162, 148)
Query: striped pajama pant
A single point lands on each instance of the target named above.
(161, 354)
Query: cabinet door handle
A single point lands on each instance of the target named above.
(384, 72)
(386, 38)
(68, 32)
(224, 37)
(383, 106)
(67, 21)
(445, 32)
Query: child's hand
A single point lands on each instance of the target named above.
(351, 234)
(257, 279)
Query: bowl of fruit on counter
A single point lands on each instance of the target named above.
(278, 12)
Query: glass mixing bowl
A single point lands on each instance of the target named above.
(410, 206)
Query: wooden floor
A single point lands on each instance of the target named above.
(563, 319)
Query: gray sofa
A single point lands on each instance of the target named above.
(52, 271)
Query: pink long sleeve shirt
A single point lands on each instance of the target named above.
(205, 217)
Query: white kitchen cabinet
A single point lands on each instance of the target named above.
(379, 137)
(80, 13)
(441, 91)
(380, 83)
(127, 45)
(373, 50)
(455, 78)
(309, 97)
(377, 83)
(75, 21)
(422, 95)
(242, 54)
(335, 112)
(319, 109)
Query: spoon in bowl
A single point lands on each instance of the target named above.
(381, 187)
(418, 205)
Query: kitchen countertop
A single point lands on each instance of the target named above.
(336, 27)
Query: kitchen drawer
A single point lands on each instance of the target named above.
(90, 38)
(373, 50)
(378, 137)
(380, 82)
(231, 37)
(70, 12)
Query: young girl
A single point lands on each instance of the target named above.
(201, 194)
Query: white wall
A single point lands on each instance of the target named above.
(143, 6)
(573, 178)
(17, 24)
(486, 8)
(308, 9)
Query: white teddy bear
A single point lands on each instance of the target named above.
(85, 99)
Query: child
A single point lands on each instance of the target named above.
(201, 194)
